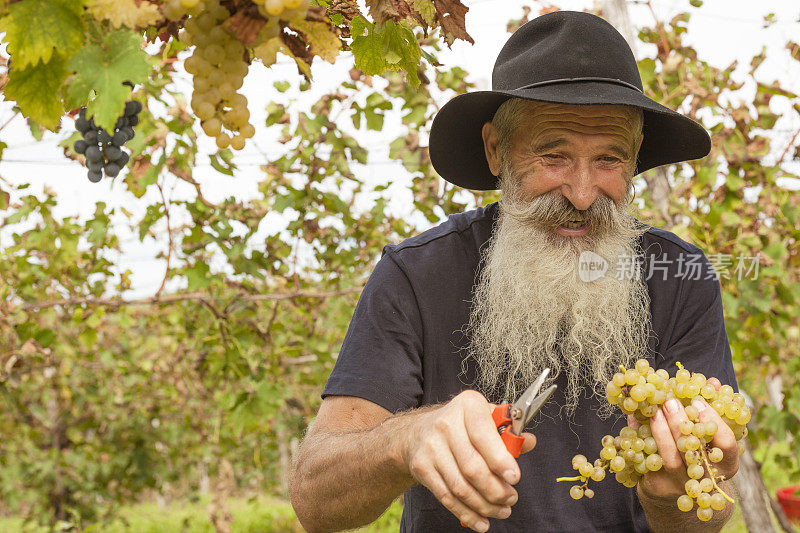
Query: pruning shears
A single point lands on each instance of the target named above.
(511, 418)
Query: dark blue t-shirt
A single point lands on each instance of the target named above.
(404, 349)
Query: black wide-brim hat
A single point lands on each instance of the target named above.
(566, 57)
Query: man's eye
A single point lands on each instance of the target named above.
(610, 159)
(552, 157)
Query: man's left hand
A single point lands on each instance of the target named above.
(670, 480)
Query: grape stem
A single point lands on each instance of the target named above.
(679, 365)
(713, 477)
(575, 478)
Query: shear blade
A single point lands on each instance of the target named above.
(529, 403)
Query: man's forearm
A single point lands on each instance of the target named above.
(664, 515)
(347, 479)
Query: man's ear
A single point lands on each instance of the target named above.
(491, 147)
(638, 144)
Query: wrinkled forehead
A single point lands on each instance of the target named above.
(544, 118)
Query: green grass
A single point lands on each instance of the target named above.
(254, 515)
(265, 514)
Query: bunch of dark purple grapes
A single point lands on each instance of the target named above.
(103, 150)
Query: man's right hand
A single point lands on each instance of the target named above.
(456, 452)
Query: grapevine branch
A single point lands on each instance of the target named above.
(788, 146)
(172, 298)
(169, 235)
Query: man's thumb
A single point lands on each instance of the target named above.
(530, 442)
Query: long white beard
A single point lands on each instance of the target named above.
(531, 310)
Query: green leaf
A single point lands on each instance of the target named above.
(377, 48)
(35, 29)
(103, 68)
(35, 89)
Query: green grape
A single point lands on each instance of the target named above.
(682, 376)
(598, 474)
(685, 503)
(585, 469)
(692, 442)
(704, 500)
(711, 428)
(589, 493)
(617, 464)
(706, 485)
(686, 427)
(641, 467)
(715, 455)
(576, 492)
(654, 462)
(695, 471)
(691, 456)
(578, 460)
(692, 413)
(644, 431)
(637, 445)
(607, 441)
(632, 377)
(708, 392)
(638, 393)
(608, 452)
(642, 366)
(699, 430)
(618, 380)
(692, 488)
(732, 410)
(650, 446)
(717, 501)
(704, 514)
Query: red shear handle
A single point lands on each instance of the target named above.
(502, 420)
(513, 443)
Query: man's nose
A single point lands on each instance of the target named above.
(580, 187)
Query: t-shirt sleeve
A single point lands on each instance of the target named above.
(380, 359)
(699, 340)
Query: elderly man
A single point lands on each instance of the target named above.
(471, 311)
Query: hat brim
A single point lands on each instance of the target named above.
(456, 146)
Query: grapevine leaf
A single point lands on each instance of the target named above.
(319, 36)
(452, 19)
(396, 10)
(35, 89)
(377, 48)
(35, 29)
(103, 68)
(427, 10)
(267, 51)
(125, 12)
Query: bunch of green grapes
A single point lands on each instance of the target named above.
(219, 67)
(640, 391)
(287, 9)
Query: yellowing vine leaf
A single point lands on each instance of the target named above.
(35, 89)
(35, 29)
(319, 36)
(427, 10)
(125, 12)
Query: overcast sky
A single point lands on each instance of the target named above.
(722, 31)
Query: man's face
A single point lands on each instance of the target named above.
(581, 153)
(531, 308)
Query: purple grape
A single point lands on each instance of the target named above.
(112, 169)
(95, 175)
(93, 153)
(80, 146)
